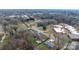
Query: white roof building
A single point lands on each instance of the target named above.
(74, 36)
(59, 29)
(71, 29)
(12, 16)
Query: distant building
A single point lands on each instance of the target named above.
(12, 16)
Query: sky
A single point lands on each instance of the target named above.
(39, 4)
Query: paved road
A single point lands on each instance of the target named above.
(39, 31)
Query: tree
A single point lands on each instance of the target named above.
(44, 27)
(20, 41)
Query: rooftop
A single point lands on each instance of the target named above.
(74, 36)
(71, 29)
(59, 29)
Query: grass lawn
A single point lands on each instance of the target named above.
(33, 41)
(42, 46)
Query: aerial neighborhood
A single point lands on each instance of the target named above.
(39, 29)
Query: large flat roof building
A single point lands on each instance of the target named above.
(74, 36)
(59, 29)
